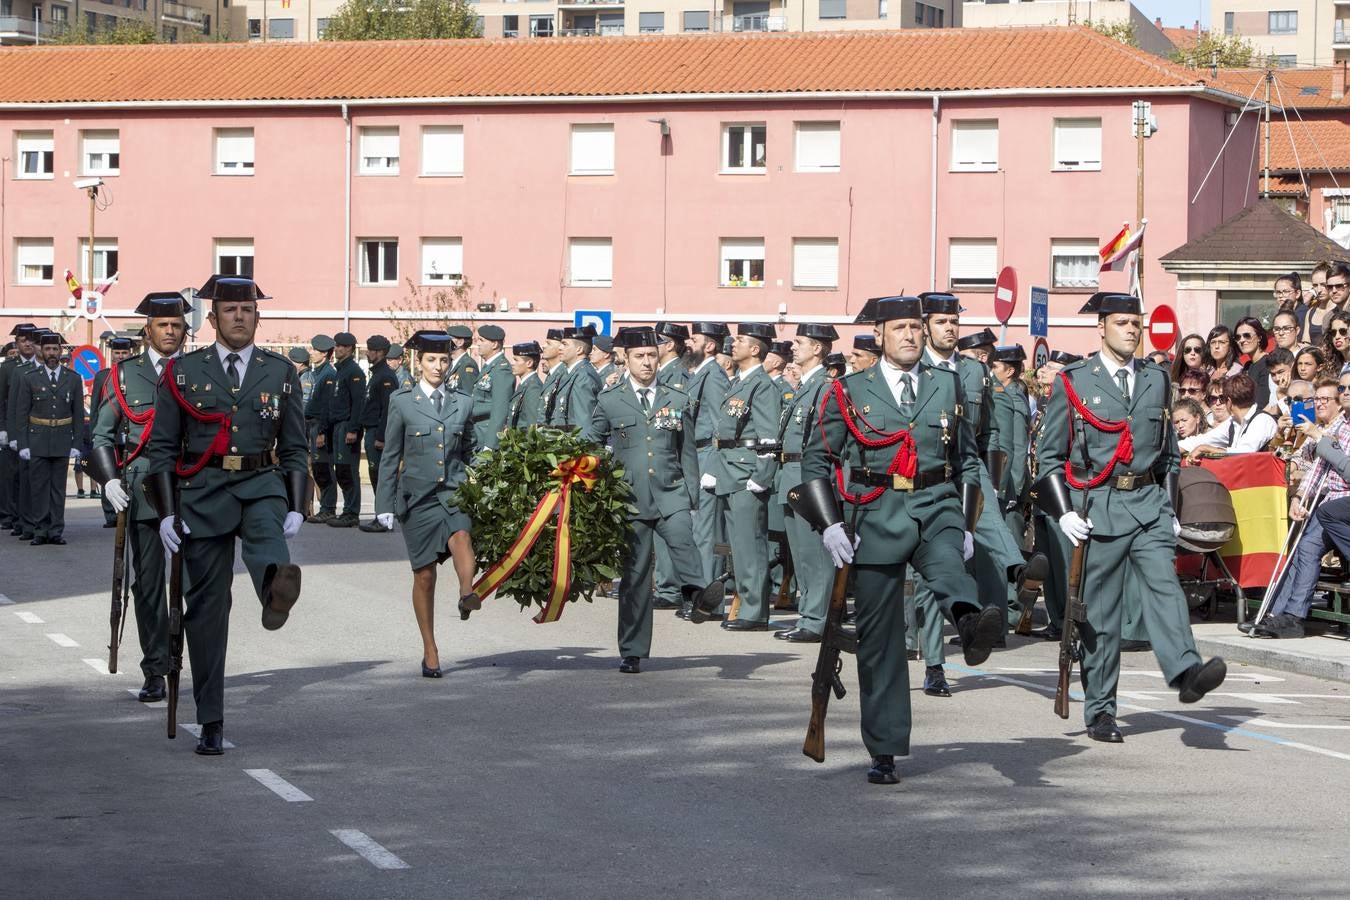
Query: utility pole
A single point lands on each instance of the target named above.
(1265, 140)
(1144, 127)
(89, 259)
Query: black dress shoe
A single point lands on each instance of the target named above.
(1029, 578)
(664, 603)
(374, 527)
(469, 603)
(212, 741)
(1103, 728)
(153, 689)
(979, 631)
(1200, 679)
(745, 625)
(798, 636)
(39, 541)
(109, 524)
(17, 531)
(1246, 627)
(935, 682)
(280, 591)
(58, 541)
(685, 611)
(703, 605)
(631, 665)
(883, 770)
(1135, 646)
(1048, 633)
(429, 672)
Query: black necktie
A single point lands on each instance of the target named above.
(906, 393)
(1123, 377)
(233, 369)
(645, 395)
(53, 371)
(436, 400)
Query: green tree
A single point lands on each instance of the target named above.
(389, 20)
(1234, 52)
(125, 31)
(1120, 31)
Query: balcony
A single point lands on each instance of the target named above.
(20, 30)
(181, 12)
(1340, 39)
(590, 4)
(602, 31)
(750, 23)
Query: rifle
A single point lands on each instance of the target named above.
(117, 615)
(175, 616)
(1074, 609)
(784, 600)
(825, 679)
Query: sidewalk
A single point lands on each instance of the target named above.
(1326, 656)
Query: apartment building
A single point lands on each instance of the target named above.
(26, 22)
(1291, 32)
(1023, 13)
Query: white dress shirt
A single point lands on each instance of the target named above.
(1112, 368)
(893, 375)
(948, 363)
(244, 356)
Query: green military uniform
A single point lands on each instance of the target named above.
(463, 374)
(746, 421)
(548, 393)
(349, 400)
(650, 432)
(318, 421)
(98, 395)
(707, 388)
(605, 371)
(575, 397)
(401, 373)
(777, 526)
(380, 386)
(306, 383)
(492, 400)
(667, 583)
(49, 414)
(524, 409)
(247, 491)
(1013, 414)
(17, 486)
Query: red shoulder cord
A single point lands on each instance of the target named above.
(146, 418)
(1124, 446)
(220, 445)
(904, 463)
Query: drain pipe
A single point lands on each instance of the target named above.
(347, 226)
(933, 200)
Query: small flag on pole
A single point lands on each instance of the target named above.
(1114, 252)
(107, 285)
(73, 284)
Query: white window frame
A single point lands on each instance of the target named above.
(1085, 250)
(448, 160)
(1062, 128)
(438, 252)
(971, 146)
(972, 264)
(815, 264)
(817, 146)
(586, 265)
(1282, 22)
(234, 151)
(740, 254)
(747, 140)
(102, 247)
(41, 143)
(237, 249)
(374, 147)
(382, 261)
(103, 145)
(34, 252)
(592, 148)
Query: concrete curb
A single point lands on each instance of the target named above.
(1277, 655)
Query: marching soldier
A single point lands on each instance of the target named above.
(1012, 418)
(707, 388)
(811, 562)
(673, 337)
(550, 353)
(913, 474)
(492, 392)
(418, 479)
(349, 397)
(864, 354)
(119, 350)
(1049, 539)
(380, 386)
(524, 408)
(126, 419)
(400, 370)
(650, 429)
(743, 469)
(319, 425)
(463, 370)
(1109, 421)
(576, 393)
(49, 414)
(14, 481)
(229, 438)
(602, 358)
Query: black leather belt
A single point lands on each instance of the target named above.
(481, 417)
(703, 444)
(919, 482)
(1120, 482)
(234, 463)
(749, 443)
(789, 457)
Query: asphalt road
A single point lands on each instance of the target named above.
(534, 769)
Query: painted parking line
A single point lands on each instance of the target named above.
(1270, 723)
(100, 666)
(30, 618)
(366, 846)
(195, 730)
(1254, 677)
(278, 785)
(62, 640)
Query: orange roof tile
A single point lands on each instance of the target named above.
(839, 62)
(1314, 145)
(1181, 38)
(1303, 89)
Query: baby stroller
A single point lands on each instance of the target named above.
(1207, 523)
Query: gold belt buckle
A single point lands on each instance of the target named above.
(902, 483)
(232, 463)
(1125, 482)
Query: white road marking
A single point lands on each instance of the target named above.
(1268, 723)
(1254, 677)
(1272, 699)
(136, 692)
(196, 731)
(278, 785)
(363, 844)
(61, 640)
(30, 618)
(5, 601)
(101, 667)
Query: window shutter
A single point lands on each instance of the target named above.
(975, 145)
(235, 145)
(442, 260)
(101, 142)
(815, 263)
(379, 142)
(442, 150)
(1078, 143)
(817, 146)
(35, 142)
(592, 149)
(651, 21)
(591, 262)
(743, 248)
(833, 9)
(973, 261)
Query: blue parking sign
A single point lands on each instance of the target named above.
(1040, 312)
(602, 320)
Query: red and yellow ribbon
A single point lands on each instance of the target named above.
(582, 471)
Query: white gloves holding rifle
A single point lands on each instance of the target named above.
(115, 494)
(168, 538)
(291, 526)
(1075, 527)
(837, 542)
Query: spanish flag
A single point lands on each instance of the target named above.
(74, 284)
(1256, 484)
(1115, 251)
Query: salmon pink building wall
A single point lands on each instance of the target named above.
(666, 206)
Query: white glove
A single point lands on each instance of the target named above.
(291, 526)
(385, 520)
(841, 548)
(1176, 527)
(754, 487)
(74, 454)
(25, 454)
(14, 445)
(167, 537)
(708, 481)
(4, 438)
(967, 546)
(1075, 527)
(115, 494)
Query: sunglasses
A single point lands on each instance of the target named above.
(1246, 336)
(1196, 391)
(1281, 329)
(1193, 349)
(1340, 332)
(1338, 286)
(1217, 398)
(1341, 389)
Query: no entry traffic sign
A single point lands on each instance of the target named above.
(1005, 294)
(86, 360)
(1162, 328)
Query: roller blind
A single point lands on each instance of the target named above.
(234, 149)
(975, 145)
(973, 262)
(442, 260)
(815, 263)
(1078, 143)
(817, 146)
(743, 248)
(591, 262)
(592, 149)
(443, 150)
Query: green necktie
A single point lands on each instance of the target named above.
(906, 392)
(233, 367)
(1123, 378)
(436, 400)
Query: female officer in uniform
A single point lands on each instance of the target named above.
(427, 442)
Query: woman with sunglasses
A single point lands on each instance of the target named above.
(1221, 357)
(1336, 340)
(1251, 338)
(1191, 356)
(1192, 385)
(1216, 403)
(1307, 362)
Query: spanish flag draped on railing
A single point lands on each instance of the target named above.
(1256, 485)
(582, 471)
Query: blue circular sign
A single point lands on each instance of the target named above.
(86, 361)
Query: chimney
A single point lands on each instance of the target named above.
(1157, 22)
(1338, 81)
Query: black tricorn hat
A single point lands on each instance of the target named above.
(836, 361)
(940, 303)
(636, 336)
(1064, 357)
(868, 314)
(162, 304)
(48, 338)
(890, 308)
(1013, 354)
(817, 331)
(764, 331)
(586, 334)
(716, 330)
(231, 287)
(1105, 303)
(554, 334)
(782, 348)
(982, 338)
(119, 343)
(23, 329)
(527, 348)
(672, 331)
(429, 340)
(866, 342)
(726, 345)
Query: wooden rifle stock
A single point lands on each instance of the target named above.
(784, 600)
(175, 618)
(1074, 613)
(825, 680)
(118, 611)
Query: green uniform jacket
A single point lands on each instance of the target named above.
(548, 394)
(349, 399)
(656, 449)
(605, 371)
(896, 513)
(265, 417)
(380, 387)
(785, 386)
(576, 396)
(38, 398)
(524, 409)
(492, 400)
(404, 378)
(98, 393)
(306, 383)
(978, 407)
(140, 384)
(463, 374)
(11, 373)
(1113, 512)
(424, 451)
(799, 421)
(707, 388)
(749, 411)
(674, 374)
(1012, 420)
(320, 405)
